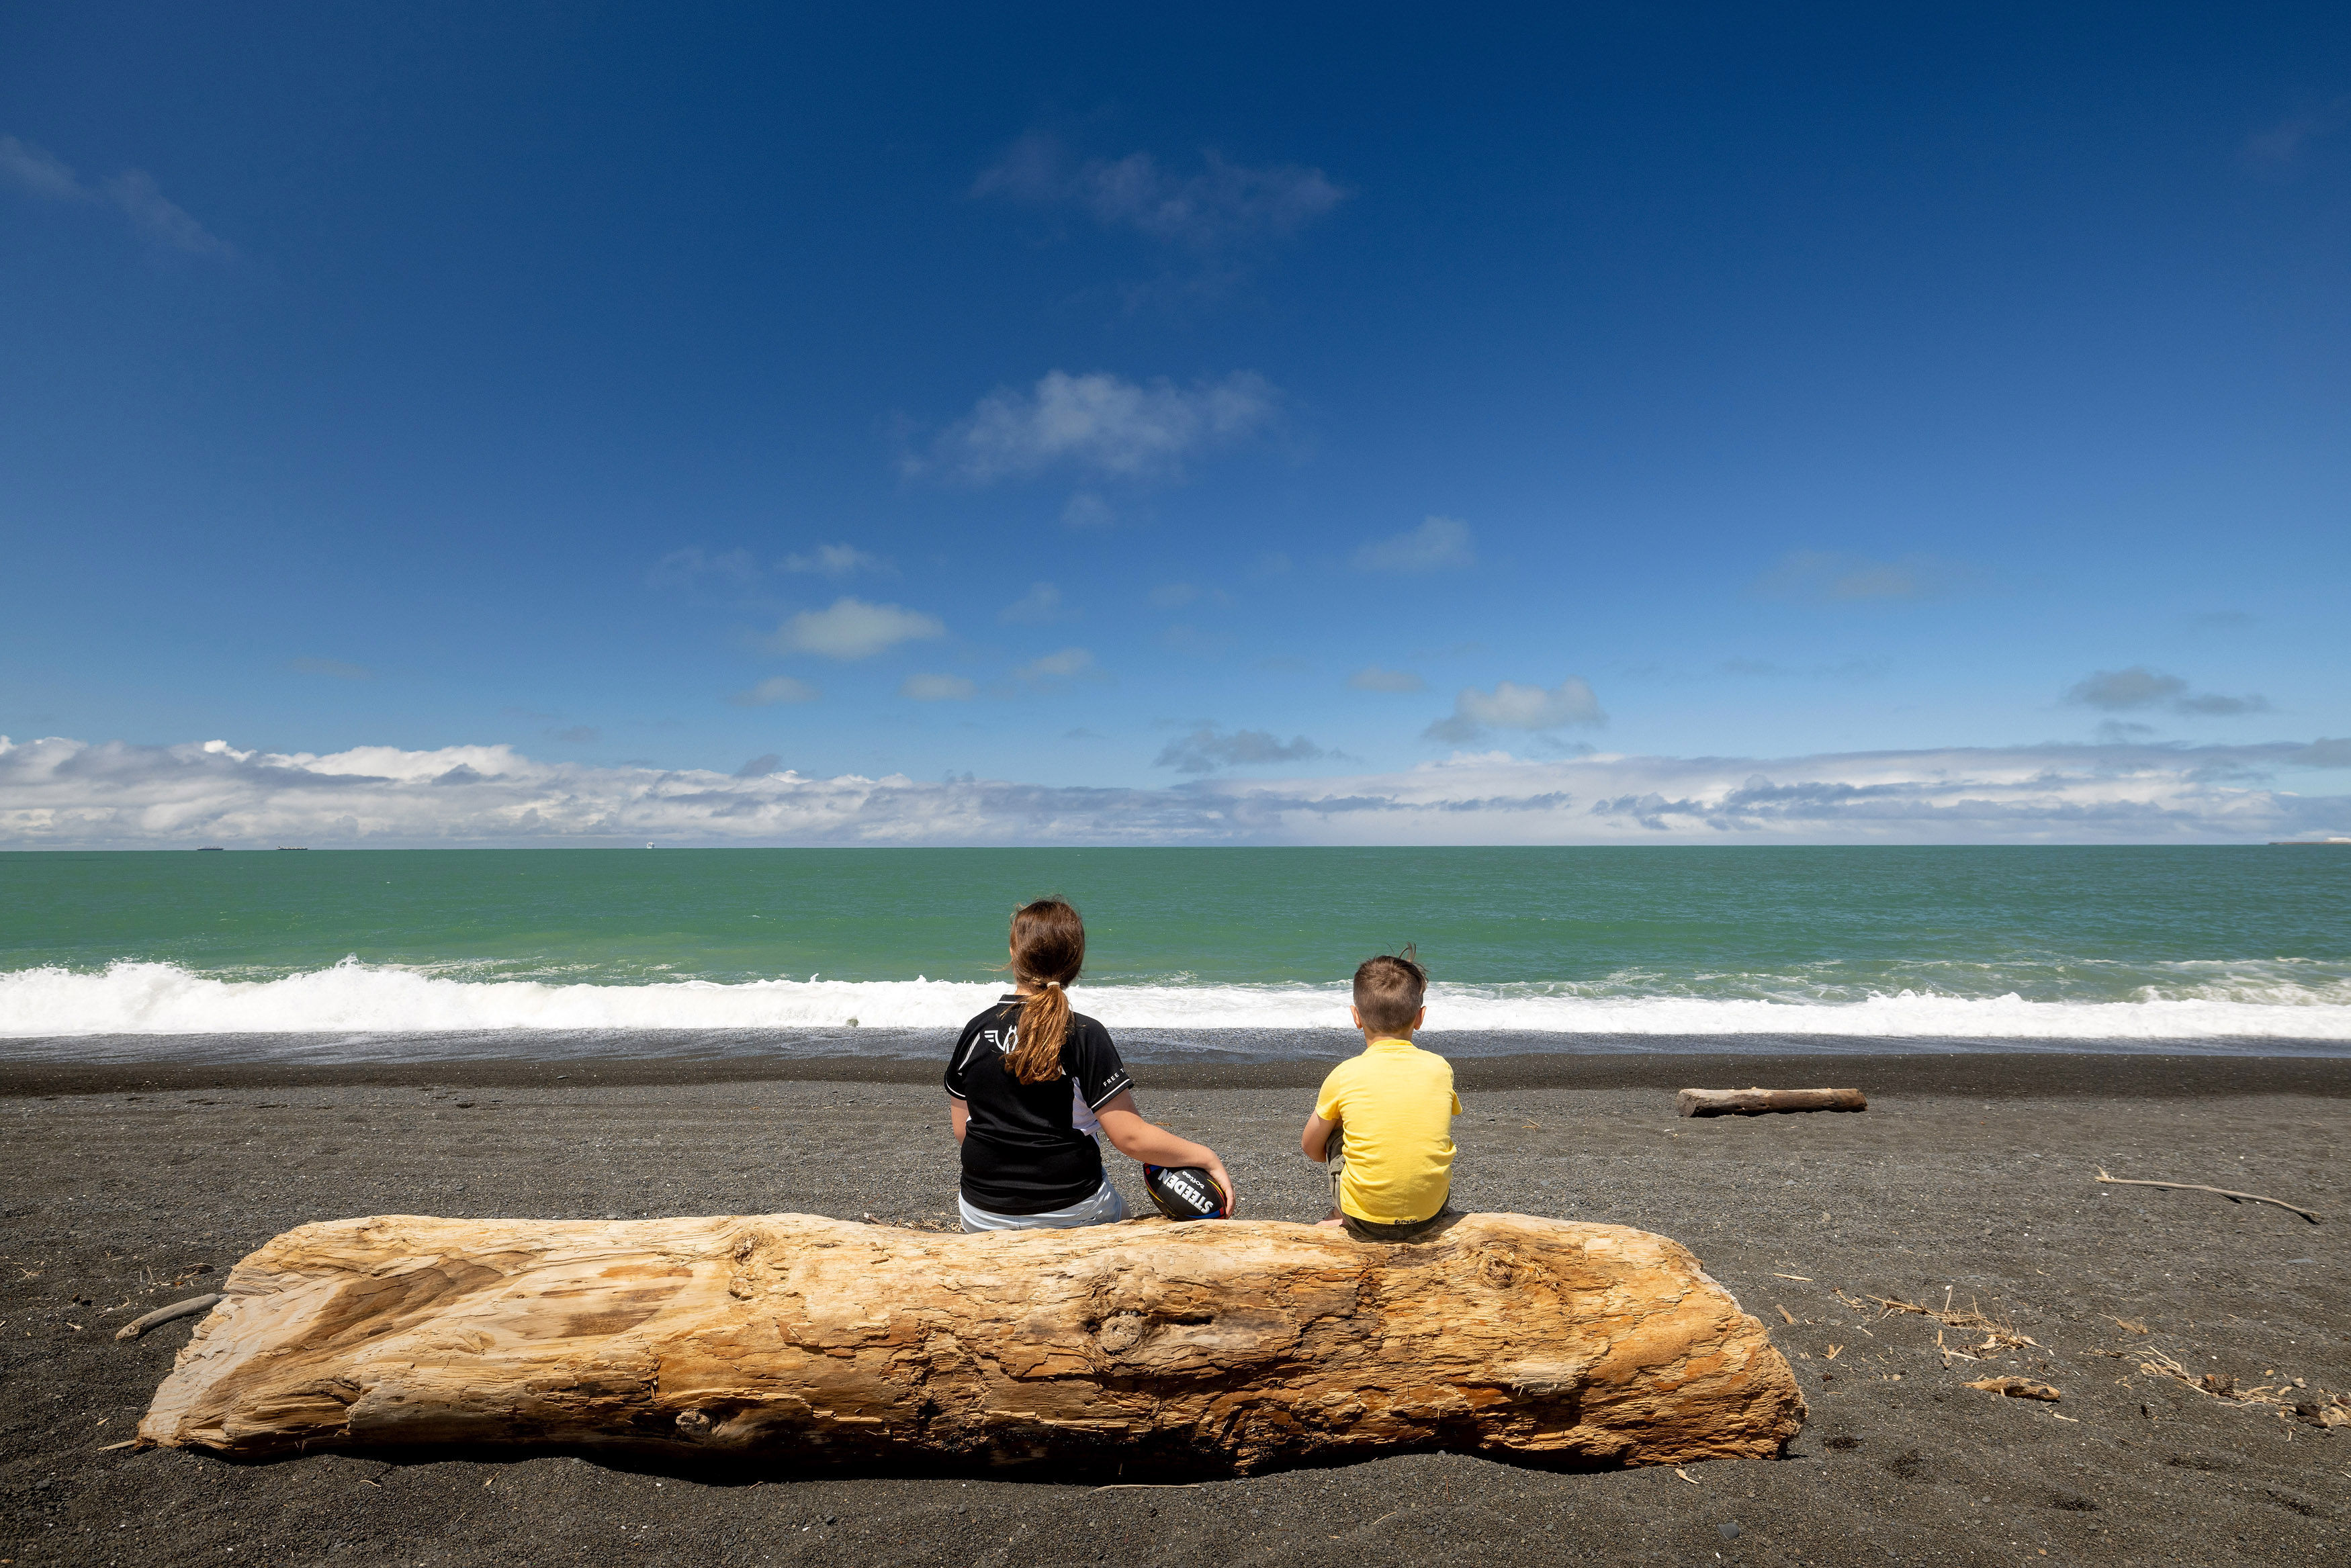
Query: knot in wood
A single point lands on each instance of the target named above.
(1498, 1270)
(1120, 1332)
(693, 1424)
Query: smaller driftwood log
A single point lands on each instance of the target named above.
(1220, 1346)
(1756, 1102)
(172, 1313)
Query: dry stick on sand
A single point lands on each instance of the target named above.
(1998, 1334)
(2315, 1405)
(2017, 1388)
(162, 1315)
(2199, 1187)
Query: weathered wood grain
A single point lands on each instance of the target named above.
(1228, 1346)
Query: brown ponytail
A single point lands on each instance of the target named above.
(1049, 948)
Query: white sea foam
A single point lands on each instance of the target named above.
(162, 999)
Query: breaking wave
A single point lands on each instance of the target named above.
(147, 998)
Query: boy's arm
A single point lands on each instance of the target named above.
(958, 1115)
(1316, 1140)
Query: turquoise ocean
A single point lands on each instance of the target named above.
(375, 953)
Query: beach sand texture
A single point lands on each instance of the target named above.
(1970, 1180)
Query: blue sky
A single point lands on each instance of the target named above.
(1086, 400)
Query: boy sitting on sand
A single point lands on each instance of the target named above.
(1384, 1120)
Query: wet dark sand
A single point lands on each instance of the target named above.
(1971, 1174)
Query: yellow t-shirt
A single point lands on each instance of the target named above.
(1395, 1105)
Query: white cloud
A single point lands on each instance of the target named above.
(2276, 150)
(1826, 577)
(937, 689)
(775, 688)
(1087, 509)
(1041, 604)
(1437, 544)
(1510, 706)
(1067, 664)
(38, 173)
(1224, 205)
(834, 561)
(2121, 691)
(59, 792)
(1106, 423)
(1207, 749)
(851, 629)
(684, 569)
(1372, 678)
(133, 194)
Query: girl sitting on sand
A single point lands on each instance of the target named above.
(1032, 1083)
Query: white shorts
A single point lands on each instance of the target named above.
(1104, 1207)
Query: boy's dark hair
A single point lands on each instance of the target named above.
(1388, 992)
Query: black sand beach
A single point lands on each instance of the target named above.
(131, 1185)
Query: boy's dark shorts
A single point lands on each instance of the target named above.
(1419, 1230)
(1335, 1166)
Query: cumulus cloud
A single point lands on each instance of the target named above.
(1067, 664)
(133, 193)
(1824, 577)
(1439, 543)
(851, 629)
(59, 792)
(1207, 749)
(1103, 423)
(1087, 509)
(1041, 604)
(1224, 205)
(834, 561)
(937, 689)
(2122, 690)
(1372, 678)
(685, 568)
(1510, 706)
(775, 688)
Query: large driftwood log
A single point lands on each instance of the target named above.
(1224, 1345)
(1756, 1102)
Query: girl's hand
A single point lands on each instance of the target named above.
(1216, 1169)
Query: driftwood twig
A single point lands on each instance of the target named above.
(2199, 1187)
(162, 1315)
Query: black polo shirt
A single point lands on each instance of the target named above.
(1027, 1148)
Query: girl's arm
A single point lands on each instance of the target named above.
(1316, 1138)
(958, 1116)
(1140, 1140)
